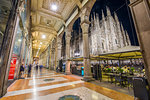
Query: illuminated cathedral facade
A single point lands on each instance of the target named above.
(107, 34)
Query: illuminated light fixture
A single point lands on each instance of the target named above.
(54, 7)
(77, 54)
(40, 42)
(43, 36)
(19, 40)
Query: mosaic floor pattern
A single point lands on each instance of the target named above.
(82, 92)
(70, 97)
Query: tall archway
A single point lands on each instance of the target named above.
(76, 39)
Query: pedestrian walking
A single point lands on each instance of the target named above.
(41, 66)
(26, 70)
(37, 67)
(29, 70)
(21, 71)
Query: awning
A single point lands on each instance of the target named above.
(128, 52)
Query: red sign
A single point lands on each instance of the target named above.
(12, 68)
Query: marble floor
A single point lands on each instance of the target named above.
(50, 85)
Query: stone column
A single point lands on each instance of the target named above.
(52, 59)
(51, 53)
(30, 49)
(86, 50)
(48, 56)
(59, 45)
(55, 59)
(7, 46)
(141, 15)
(68, 38)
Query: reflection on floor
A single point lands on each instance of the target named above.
(114, 87)
(41, 81)
(49, 85)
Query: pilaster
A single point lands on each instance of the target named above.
(59, 46)
(86, 50)
(7, 46)
(140, 10)
(68, 38)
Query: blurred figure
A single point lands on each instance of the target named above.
(41, 66)
(37, 68)
(57, 69)
(63, 67)
(21, 71)
(26, 70)
(60, 65)
(29, 70)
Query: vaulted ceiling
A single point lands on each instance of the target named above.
(48, 21)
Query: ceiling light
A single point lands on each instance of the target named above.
(40, 42)
(54, 7)
(43, 36)
(19, 40)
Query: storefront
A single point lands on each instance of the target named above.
(16, 53)
(19, 55)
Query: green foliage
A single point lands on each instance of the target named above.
(120, 70)
(108, 70)
(132, 69)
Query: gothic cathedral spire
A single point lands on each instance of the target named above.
(108, 11)
(116, 17)
(124, 35)
(119, 33)
(103, 17)
(128, 39)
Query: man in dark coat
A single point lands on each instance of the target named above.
(21, 71)
(37, 68)
(29, 70)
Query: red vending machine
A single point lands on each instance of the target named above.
(12, 67)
